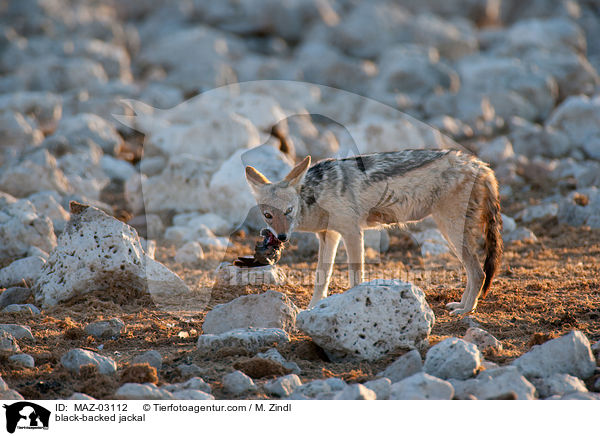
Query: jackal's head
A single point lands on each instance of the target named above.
(278, 201)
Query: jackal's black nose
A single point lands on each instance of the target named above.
(282, 237)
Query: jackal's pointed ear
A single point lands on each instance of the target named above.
(255, 178)
(295, 176)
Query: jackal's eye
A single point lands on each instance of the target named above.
(268, 215)
(288, 210)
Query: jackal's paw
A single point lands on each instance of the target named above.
(461, 311)
(454, 305)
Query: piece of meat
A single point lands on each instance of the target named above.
(267, 252)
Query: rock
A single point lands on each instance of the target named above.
(577, 396)
(581, 207)
(318, 388)
(355, 391)
(270, 309)
(406, 365)
(231, 197)
(231, 275)
(117, 169)
(44, 107)
(22, 360)
(191, 394)
(111, 328)
(283, 386)
(575, 117)
(558, 384)
(534, 140)
(8, 344)
(21, 228)
(421, 386)
(381, 387)
(151, 357)
(98, 252)
(250, 339)
(182, 186)
(496, 152)
(28, 308)
(190, 370)
(81, 129)
(14, 295)
(237, 382)
(47, 204)
(25, 270)
(495, 383)
(8, 394)
(34, 172)
(520, 234)
(482, 339)
(213, 222)
(193, 384)
(18, 131)
(78, 396)
(453, 358)
(568, 354)
(190, 254)
(145, 391)
(538, 212)
(74, 359)
(17, 331)
(306, 244)
(432, 242)
(378, 240)
(369, 320)
(275, 356)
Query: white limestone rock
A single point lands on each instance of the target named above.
(237, 383)
(14, 295)
(275, 356)
(27, 269)
(22, 228)
(270, 309)
(231, 275)
(453, 358)
(192, 394)
(482, 339)
(250, 339)
(558, 384)
(369, 320)
(78, 396)
(568, 354)
(381, 387)
(81, 129)
(74, 359)
(47, 204)
(151, 357)
(17, 331)
(22, 360)
(538, 212)
(139, 391)
(193, 384)
(421, 386)
(189, 254)
(355, 391)
(495, 383)
(25, 308)
(8, 343)
(406, 365)
(95, 252)
(111, 328)
(283, 386)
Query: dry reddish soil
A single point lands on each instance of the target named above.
(544, 289)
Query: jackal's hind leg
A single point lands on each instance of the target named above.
(328, 243)
(356, 256)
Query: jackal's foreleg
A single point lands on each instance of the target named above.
(328, 243)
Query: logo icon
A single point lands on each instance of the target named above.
(26, 415)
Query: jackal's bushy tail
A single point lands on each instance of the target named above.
(493, 230)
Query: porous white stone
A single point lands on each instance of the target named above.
(24, 360)
(250, 339)
(81, 129)
(14, 295)
(369, 320)
(381, 387)
(355, 391)
(193, 384)
(482, 339)
(538, 212)
(270, 309)
(47, 204)
(237, 382)
(27, 308)
(8, 343)
(111, 328)
(27, 269)
(151, 357)
(139, 391)
(558, 384)
(95, 252)
(74, 359)
(568, 354)
(18, 331)
(453, 358)
(231, 275)
(192, 394)
(189, 254)
(495, 383)
(421, 386)
(406, 365)
(283, 386)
